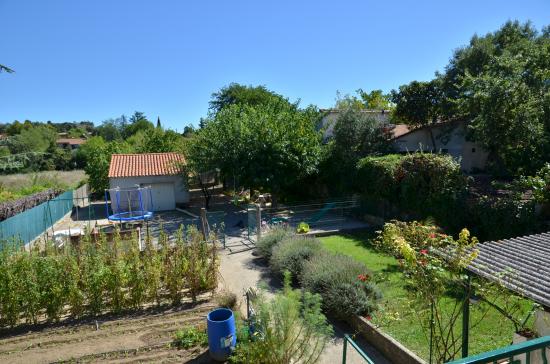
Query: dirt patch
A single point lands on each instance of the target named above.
(145, 337)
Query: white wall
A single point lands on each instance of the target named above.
(181, 191)
(449, 138)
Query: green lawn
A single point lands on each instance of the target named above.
(493, 331)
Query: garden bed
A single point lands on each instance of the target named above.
(396, 316)
(144, 336)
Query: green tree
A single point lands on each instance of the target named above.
(156, 141)
(375, 100)
(503, 88)
(138, 122)
(188, 131)
(418, 104)
(97, 153)
(14, 128)
(110, 130)
(356, 135)
(237, 94)
(499, 84)
(266, 147)
(33, 139)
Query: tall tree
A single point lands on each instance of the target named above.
(266, 147)
(499, 84)
(138, 122)
(418, 104)
(375, 100)
(237, 94)
(356, 135)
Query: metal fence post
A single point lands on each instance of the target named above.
(258, 222)
(345, 352)
(466, 316)
(204, 223)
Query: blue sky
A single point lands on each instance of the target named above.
(93, 60)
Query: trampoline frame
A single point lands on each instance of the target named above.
(126, 216)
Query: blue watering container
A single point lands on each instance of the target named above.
(222, 336)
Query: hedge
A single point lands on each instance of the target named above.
(422, 185)
(419, 184)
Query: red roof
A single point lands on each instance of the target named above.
(400, 129)
(146, 164)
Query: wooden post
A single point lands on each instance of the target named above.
(258, 222)
(204, 224)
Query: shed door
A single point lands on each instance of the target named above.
(164, 197)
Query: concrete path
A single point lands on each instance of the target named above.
(242, 270)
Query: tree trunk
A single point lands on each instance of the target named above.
(206, 194)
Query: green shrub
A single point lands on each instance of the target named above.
(493, 218)
(191, 337)
(418, 235)
(291, 254)
(347, 299)
(227, 299)
(432, 184)
(343, 282)
(421, 184)
(273, 237)
(377, 176)
(290, 328)
(302, 228)
(100, 276)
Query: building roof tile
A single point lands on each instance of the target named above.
(520, 264)
(146, 164)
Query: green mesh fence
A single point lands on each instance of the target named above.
(28, 225)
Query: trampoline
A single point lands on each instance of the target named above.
(129, 204)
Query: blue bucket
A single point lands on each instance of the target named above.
(222, 336)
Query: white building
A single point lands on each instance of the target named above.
(161, 171)
(449, 138)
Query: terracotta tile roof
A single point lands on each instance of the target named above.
(399, 130)
(71, 141)
(146, 164)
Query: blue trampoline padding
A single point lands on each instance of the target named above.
(131, 216)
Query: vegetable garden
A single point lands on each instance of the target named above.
(96, 277)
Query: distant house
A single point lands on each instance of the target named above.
(70, 143)
(161, 171)
(449, 138)
(331, 115)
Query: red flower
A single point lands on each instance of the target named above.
(432, 235)
(363, 277)
(424, 252)
(368, 317)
